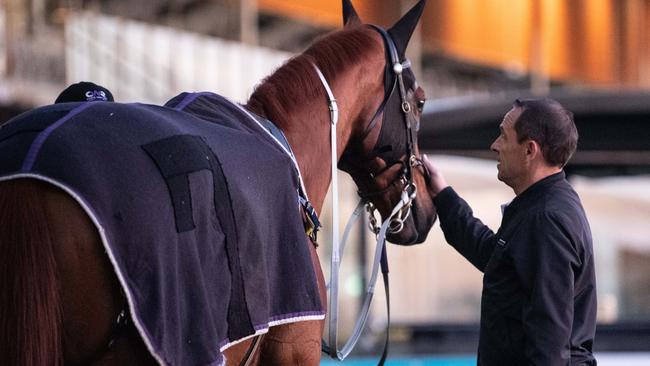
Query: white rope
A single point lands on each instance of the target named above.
(338, 246)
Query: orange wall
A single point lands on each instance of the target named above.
(493, 32)
(643, 66)
(556, 29)
(600, 52)
(329, 13)
(574, 38)
(591, 41)
(321, 12)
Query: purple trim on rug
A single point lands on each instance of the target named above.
(189, 98)
(157, 352)
(276, 318)
(34, 149)
(289, 316)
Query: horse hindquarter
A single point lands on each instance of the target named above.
(30, 308)
(58, 293)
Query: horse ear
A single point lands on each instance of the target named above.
(350, 16)
(402, 30)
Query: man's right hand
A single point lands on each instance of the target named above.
(435, 181)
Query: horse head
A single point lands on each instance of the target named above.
(378, 104)
(383, 157)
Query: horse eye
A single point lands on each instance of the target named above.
(421, 105)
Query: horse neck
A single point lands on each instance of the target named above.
(307, 126)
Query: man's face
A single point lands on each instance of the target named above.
(510, 153)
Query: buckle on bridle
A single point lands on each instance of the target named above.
(406, 107)
(310, 221)
(373, 224)
(400, 216)
(414, 161)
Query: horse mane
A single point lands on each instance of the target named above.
(296, 84)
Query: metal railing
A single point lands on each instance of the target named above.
(148, 63)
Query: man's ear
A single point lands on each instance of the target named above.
(533, 150)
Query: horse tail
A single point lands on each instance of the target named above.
(30, 305)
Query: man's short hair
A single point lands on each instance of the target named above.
(84, 91)
(549, 124)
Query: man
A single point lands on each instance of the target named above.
(538, 305)
(84, 91)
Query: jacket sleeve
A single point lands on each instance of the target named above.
(467, 234)
(546, 269)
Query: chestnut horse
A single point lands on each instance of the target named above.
(59, 293)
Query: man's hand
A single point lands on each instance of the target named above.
(435, 181)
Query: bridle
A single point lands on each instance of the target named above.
(404, 151)
(394, 223)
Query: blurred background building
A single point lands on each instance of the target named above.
(473, 57)
(463, 47)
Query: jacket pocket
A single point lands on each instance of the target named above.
(497, 255)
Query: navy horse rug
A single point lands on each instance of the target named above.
(197, 205)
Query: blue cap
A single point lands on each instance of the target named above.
(84, 91)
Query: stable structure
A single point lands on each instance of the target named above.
(614, 128)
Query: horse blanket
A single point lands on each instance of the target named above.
(198, 209)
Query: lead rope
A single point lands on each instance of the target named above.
(336, 258)
(370, 290)
(338, 247)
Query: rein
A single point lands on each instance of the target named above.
(394, 223)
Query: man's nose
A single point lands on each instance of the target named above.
(493, 147)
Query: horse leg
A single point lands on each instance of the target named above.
(297, 343)
(244, 353)
(289, 344)
(292, 344)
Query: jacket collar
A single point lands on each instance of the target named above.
(534, 190)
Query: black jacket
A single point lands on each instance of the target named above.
(538, 305)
